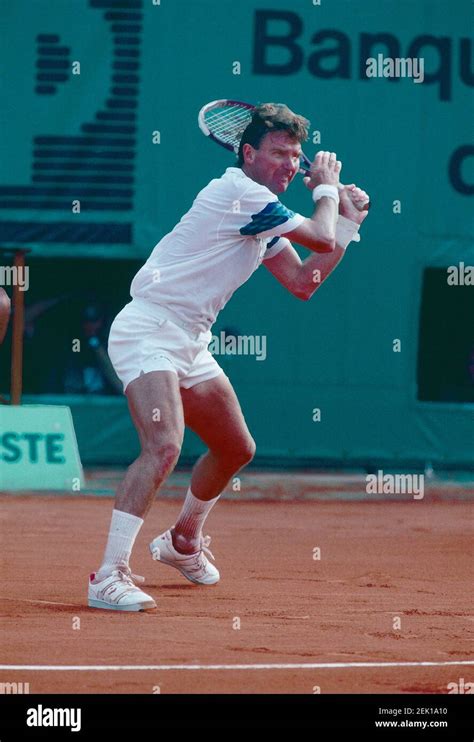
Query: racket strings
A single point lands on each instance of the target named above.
(228, 112)
(235, 126)
(231, 136)
(229, 124)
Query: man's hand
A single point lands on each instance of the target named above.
(324, 170)
(352, 201)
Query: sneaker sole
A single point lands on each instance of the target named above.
(172, 564)
(133, 608)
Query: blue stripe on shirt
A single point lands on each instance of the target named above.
(271, 216)
(272, 242)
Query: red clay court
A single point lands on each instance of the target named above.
(384, 610)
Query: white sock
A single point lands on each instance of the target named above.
(188, 527)
(123, 531)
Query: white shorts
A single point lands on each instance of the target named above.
(140, 340)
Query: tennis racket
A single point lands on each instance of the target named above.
(224, 121)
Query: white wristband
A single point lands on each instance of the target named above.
(325, 190)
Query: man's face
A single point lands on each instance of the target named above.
(275, 163)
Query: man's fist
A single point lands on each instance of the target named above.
(324, 170)
(352, 203)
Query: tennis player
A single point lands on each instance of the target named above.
(158, 342)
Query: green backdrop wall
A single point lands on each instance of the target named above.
(398, 139)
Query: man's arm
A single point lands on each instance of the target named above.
(302, 278)
(319, 232)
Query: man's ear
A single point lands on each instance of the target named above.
(248, 153)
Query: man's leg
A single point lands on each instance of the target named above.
(157, 413)
(212, 410)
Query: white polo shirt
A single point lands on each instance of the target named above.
(233, 224)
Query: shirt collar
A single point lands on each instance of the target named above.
(236, 171)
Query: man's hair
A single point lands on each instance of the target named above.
(268, 117)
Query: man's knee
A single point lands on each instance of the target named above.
(249, 451)
(162, 457)
(241, 454)
(168, 453)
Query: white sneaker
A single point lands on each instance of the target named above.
(195, 567)
(117, 592)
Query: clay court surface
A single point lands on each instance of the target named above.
(304, 622)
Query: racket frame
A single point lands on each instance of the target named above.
(219, 104)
